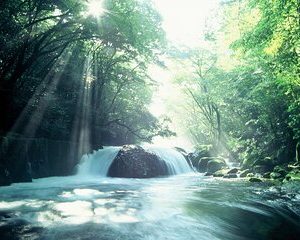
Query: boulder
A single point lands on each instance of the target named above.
(255, 179)
(230, 175)
(201, 152)
(220, 173)
(261, 169)
(250, 175)
(233, 170)
(135, 162)
(276, 175)
(202, 164)
(267, 175)
(244, 173)
(292, 176)
(215, 165)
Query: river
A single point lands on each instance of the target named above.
(188, 206)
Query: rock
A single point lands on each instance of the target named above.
(230, 175)
(215, 165)
(201, 152)
(220, 173)
(261, 169)
(135, 162)
(181, 150)
(267, 175)
(233, 170)
(294, 167)
(244, 173)
(202, 164)
(292, 176)
(255, 179)
(250, 175)
(280, 170)
(276, 175)
(208, 174)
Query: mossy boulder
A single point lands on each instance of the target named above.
(255, 179)
(220, 173)
(215, 165)
(261, 169)
(135, 162)
(292, 176)
(279, 173)
(202, 151)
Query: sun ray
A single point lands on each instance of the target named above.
(95, 8)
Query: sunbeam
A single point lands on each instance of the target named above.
(81, 124)
(95, 8)
(41, 96)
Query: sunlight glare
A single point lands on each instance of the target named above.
(185, 20)
(95, 8)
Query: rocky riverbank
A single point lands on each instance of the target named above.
(217, 166)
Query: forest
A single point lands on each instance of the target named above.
(75, 78)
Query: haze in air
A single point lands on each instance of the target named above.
(138, 119)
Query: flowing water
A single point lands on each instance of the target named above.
(185, 206)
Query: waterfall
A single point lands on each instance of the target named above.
(175, 161)
(99, 162)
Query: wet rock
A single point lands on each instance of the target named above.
(202, 164)
(255, 179)
(244, 173)
(275, 175)
(267, 175)
(220, 173)
(135, 162)
(208, 174)
(230, 175)
(281, 170)
(250, 175)
(233, 170)
(261, 169)
(292, 176)
(215, 165)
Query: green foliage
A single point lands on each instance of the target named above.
(257, 93)
(48, 50)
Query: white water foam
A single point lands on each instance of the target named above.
(98, 163)
(175, 161)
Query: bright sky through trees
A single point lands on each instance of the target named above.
(95, 8)
(184, 20)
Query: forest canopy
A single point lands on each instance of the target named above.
(68, 73)
(242, 84)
